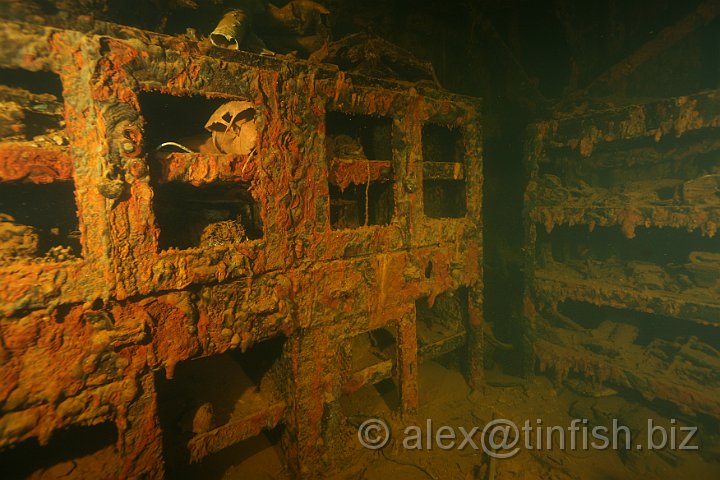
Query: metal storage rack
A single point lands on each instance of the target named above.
(103, 336)
(622, 211)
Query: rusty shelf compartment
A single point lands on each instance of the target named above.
(553, 286)
(217, 413)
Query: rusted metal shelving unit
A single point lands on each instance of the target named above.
(622, 211)
(335, 247)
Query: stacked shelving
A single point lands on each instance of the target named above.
(622, 211)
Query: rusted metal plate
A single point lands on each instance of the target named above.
(20, 162)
